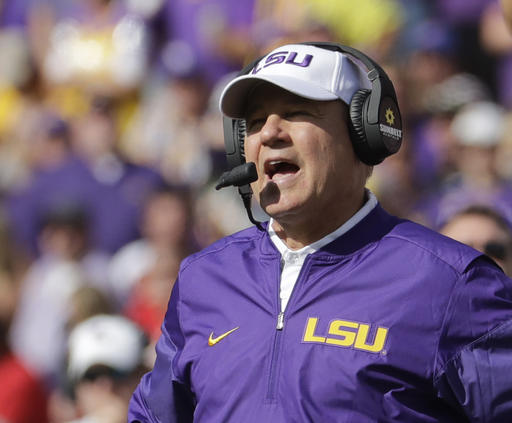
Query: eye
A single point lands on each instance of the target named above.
(296, 114)
(254, 124)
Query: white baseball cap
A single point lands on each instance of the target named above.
(305, 70)
(479, 124)
(108, 340)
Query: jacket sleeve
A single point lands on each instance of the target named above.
(475, 349)
(162, 395)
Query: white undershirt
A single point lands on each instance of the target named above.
(292, 260)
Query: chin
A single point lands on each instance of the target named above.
(283, 211)
(279, 203)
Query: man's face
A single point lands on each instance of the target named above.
(481, 233)
(307, 169)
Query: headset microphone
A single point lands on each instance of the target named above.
(240, 175)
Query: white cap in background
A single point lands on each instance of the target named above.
(479, 124)
(108, 340)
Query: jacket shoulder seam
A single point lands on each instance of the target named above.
(437, 256)
(211, 250)
(457, 277)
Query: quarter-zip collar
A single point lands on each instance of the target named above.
(345, 227)
(370, 228)
(293, 260)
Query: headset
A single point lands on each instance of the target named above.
(375, 125)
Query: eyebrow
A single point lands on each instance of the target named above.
(253, 107)
(249, 110)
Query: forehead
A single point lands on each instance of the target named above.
(265, 95)
(474, 227)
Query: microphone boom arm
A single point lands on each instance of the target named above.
(241, 176)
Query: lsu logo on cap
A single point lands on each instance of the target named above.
(344, 333)
(289, 58)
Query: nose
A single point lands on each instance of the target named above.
(272, 130)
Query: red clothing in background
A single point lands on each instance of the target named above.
(22, 397)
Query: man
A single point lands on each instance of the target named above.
(106, 359)
(475, 134)
(335, 311)
(485, 229)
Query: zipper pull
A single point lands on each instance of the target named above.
(280, 321)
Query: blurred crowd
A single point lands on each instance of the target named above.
(111, 143)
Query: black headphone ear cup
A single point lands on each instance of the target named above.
(234, 138)
(356, 126)
(240, 137)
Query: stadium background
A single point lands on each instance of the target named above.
(111, 143)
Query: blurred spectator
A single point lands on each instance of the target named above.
(167, 132)
(119, 187)
(506, 6)
(496, 40)
(14, 13)
(477, 129)
(23, 398)
(431, 146)
(150, 296)
(212, 35)
(459, 12)
(65, 264)
(504, 152)
(485, 230)
(105, 362)
(16, 61)
(84, 168)
(454, 92)
(434, 88)
(463, 17)
(21, 108)
(371, 26)
(432, 60)
(225, 213)
(55, 177)
(167, 229)
(97, 45)
(87, 301)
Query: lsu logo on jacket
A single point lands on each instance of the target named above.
(344, 333)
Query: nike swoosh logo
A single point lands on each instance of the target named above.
(212, 341)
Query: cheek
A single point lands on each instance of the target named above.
(251, 155)
(250, 149)
(341, 165)
(329, 157)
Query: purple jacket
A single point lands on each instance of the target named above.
(391, 322)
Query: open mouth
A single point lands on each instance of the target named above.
(279, 167)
